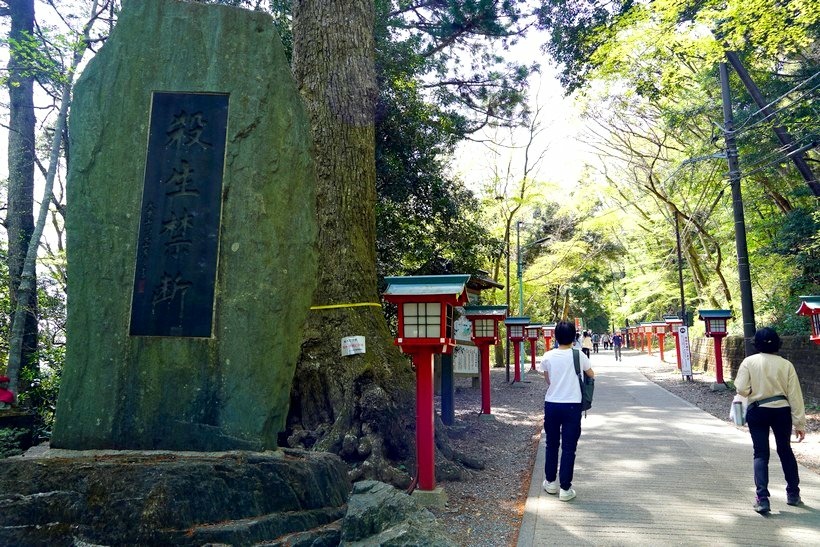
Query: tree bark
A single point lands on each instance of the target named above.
(361, 406)
(19, 221)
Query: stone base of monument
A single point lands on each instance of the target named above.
(431, 498)
(486, 417)
(718, 387)
(288, 497)
(168, 498)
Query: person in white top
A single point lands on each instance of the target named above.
(775, 404)
(562, 410)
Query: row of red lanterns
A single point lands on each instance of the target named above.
(425, 327)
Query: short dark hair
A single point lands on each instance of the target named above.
(767, 340)
(565, 333)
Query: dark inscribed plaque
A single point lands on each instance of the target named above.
(181, 208)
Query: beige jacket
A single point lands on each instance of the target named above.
(765, 375)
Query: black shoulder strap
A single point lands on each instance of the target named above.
(576, 360)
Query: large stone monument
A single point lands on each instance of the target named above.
(191, 234)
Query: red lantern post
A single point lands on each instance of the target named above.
(673, 321)
(549, 330)
(485, 321)
(810, 306)
(533, 332)
(660, 331)
(515, 335)
(648, 333)
(425, 304)
(716, 328)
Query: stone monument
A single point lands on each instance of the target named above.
(191, 234)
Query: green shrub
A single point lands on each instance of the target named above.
(11, 439)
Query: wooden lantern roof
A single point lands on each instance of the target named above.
(450, 289)
(810, 305)
(485, 312)
(704, 315)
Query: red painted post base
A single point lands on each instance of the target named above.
(677, 349)
(425, 424)
(718, 358)
(484, 350)
(532, 353)
(661, 336)
(517, 350)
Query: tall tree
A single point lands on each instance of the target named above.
(19, 221)
(356, 406)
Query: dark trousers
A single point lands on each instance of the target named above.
(562, 423)
(779, 420)
(617, 353)
(586, 351)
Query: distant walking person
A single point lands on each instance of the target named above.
(617, 342)
(776, 403)
(562, 410)
(586, 344)
(595, 341)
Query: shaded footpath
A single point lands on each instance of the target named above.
(653, 469)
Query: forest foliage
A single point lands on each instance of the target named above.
(644, 76)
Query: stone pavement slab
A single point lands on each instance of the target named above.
(652, 469)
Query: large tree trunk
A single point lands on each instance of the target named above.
(19, 221)
(360, 407)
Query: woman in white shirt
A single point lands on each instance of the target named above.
(562, 410)
(775, 402)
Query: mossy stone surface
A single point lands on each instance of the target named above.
(231, 390)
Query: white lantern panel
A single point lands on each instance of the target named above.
(422, 320)
(484, 328)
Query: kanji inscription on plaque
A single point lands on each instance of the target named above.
(179, 223)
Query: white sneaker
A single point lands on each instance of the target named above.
(566, 495)
(550, 487)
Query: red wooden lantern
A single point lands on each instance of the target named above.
(716, 328)
(426, 327)
(485, 321)
(533, 332)
(659, 328)
(810, 306)
(674, 321)
(646, 330)
(549, 331)
(515, 334)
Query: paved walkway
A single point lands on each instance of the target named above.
(653, 469)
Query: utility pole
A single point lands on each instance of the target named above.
(782, 135)
(520, 268)
(745, 278)
(680, 271)
(507, 342)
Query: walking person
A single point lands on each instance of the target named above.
(595, 341)
(562, 410)
(775, 403)
(617, 342)
(586, 343)
(605, 340)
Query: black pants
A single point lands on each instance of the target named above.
(586, 351)
(779, 420)
(562, 424)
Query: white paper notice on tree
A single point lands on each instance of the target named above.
(351, 345)
(685, 351)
